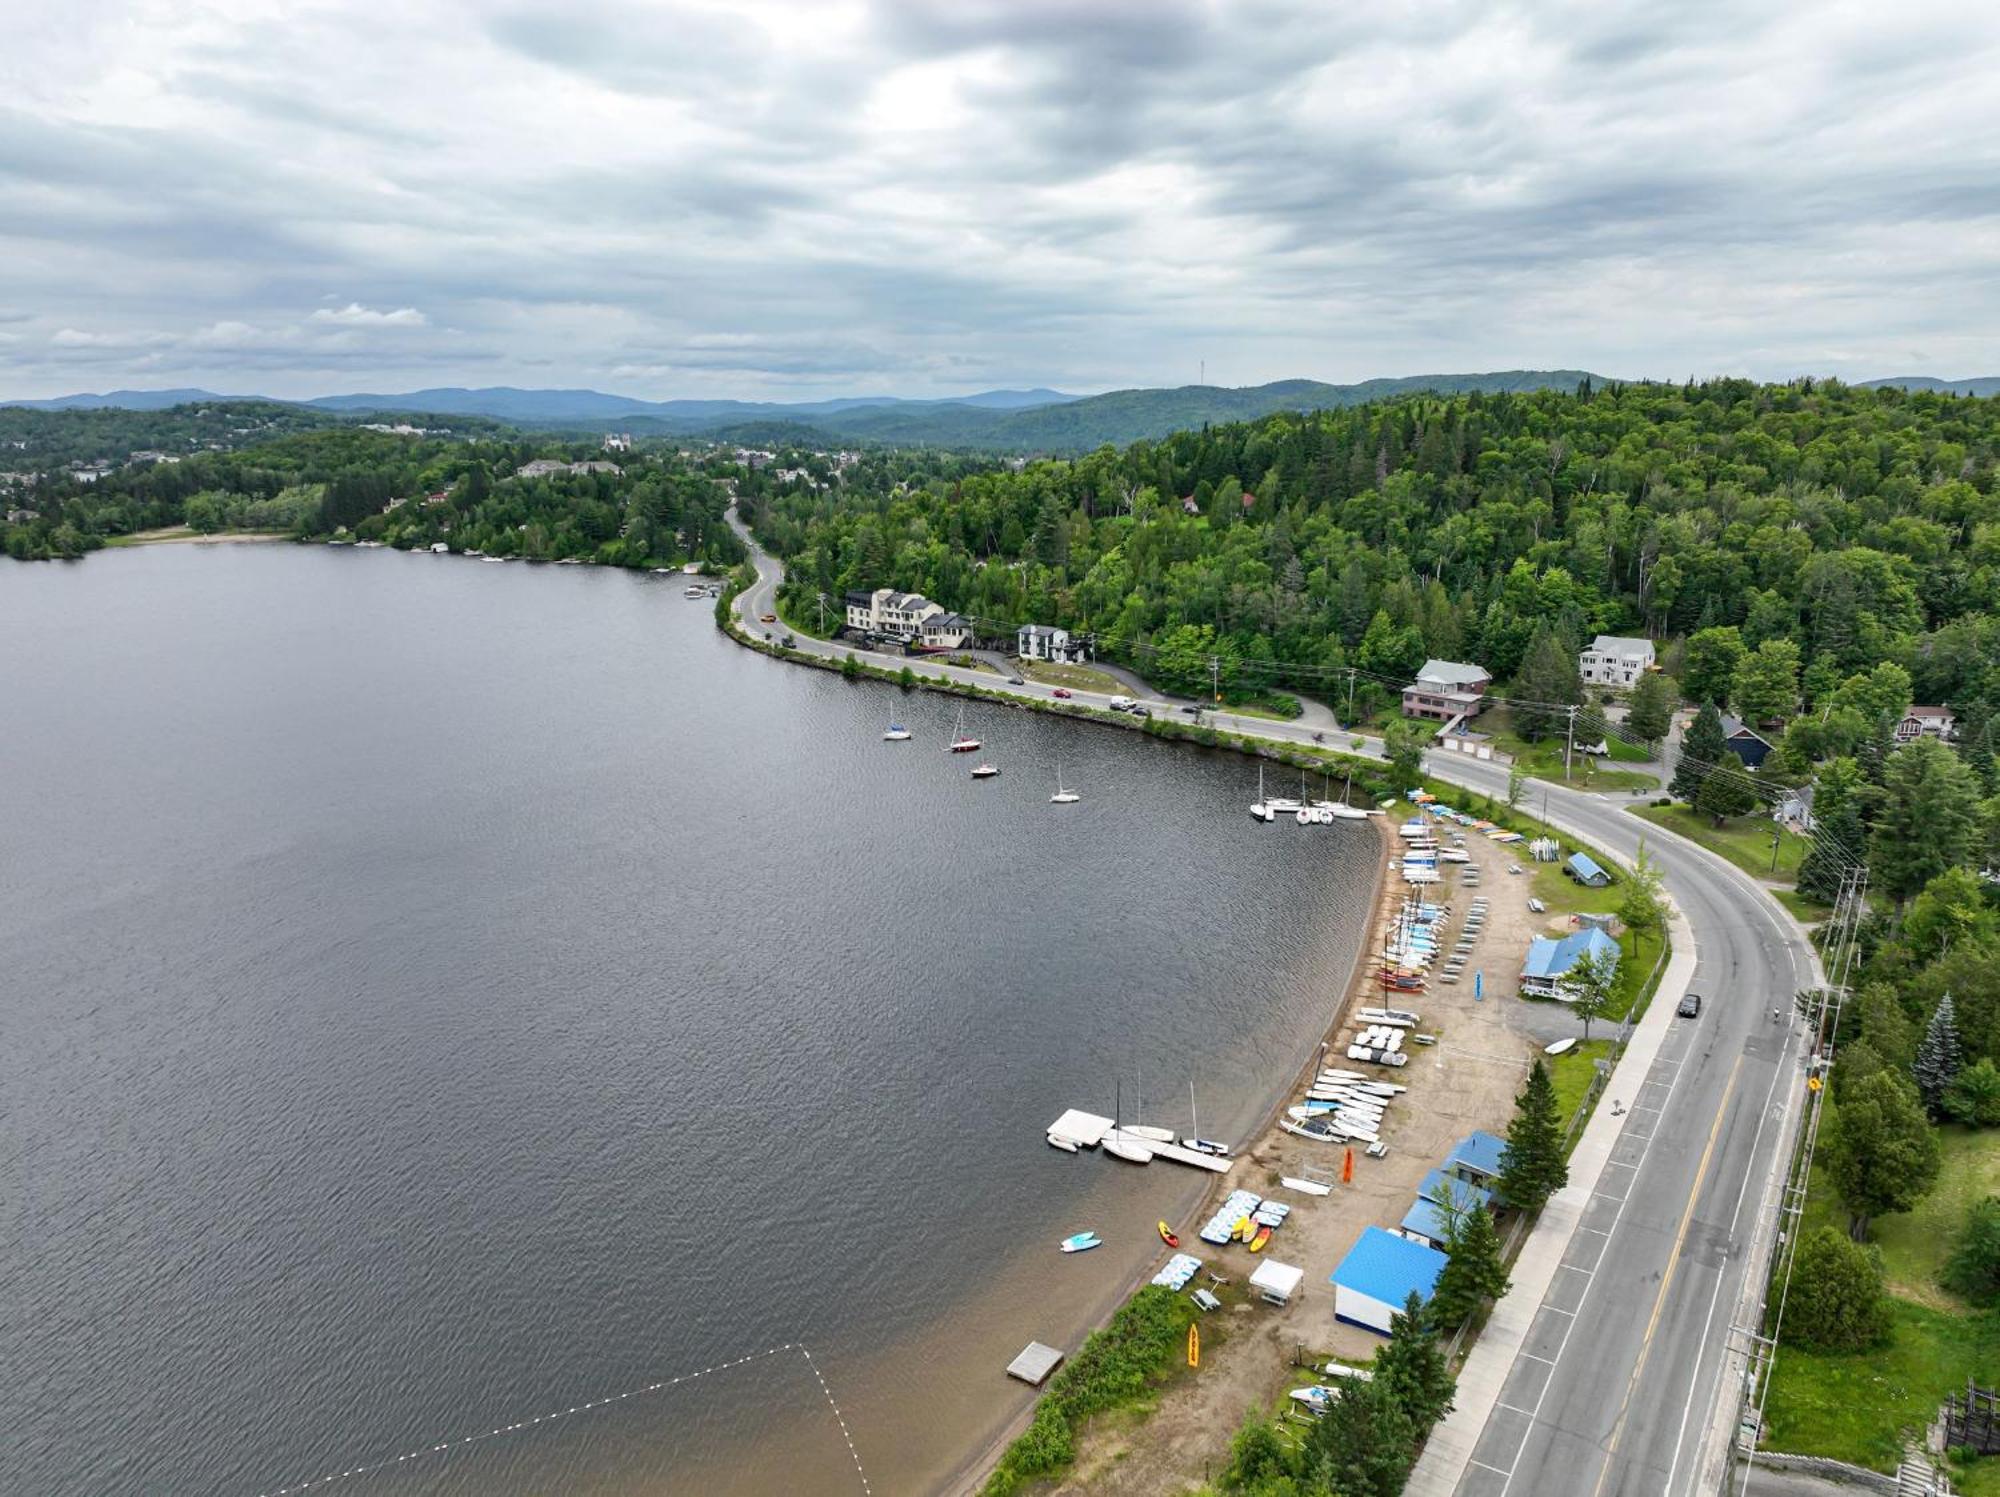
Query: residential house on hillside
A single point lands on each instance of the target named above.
(1041, 642)
(1445, 689)
(1614, 660)
(1927, 722)
(1744, 741)
(891, 614)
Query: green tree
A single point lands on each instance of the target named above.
(1884, 1155)
(1929, 820)
(1702, 749)
(1835, 1302)
(1517, 784)
(850, 667)
(1939, 1057)
(1713, 658)
(1364, 1445)
(1839, 841)
(1727, 791)
(1767, 681)
(1639, 906)
(1973, 1269)
(1548, 683)
(1388, 651)
(1652, 711)
(1586, 987)
(1412, 1369)
(1403, 746)
(1473, 1272)
(906, 678)
(1974, 1097)
(1533, 1166)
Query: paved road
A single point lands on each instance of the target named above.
(1620, 1389)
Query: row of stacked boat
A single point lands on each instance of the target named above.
(1322, 812)
(1180, 1268)
(1475, 926)
(1342, 1107)
(1246, 1217)
(1410, 943)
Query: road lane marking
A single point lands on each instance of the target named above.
(1667, 1279)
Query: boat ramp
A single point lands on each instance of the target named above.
(1077, 1129)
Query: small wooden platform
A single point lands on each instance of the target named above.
(1034, 1364)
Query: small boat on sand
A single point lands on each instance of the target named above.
(1081, 1242)
(1319, 1400)
(1167, 1236)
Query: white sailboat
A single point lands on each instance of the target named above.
(1260, 808)
(1063, 797)
(897, 733)
(962, 742)
(1146, 1131)
(1194, 1140)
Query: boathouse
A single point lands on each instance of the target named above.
(1475, 1159)
(1379, 1274)
(1550, 960)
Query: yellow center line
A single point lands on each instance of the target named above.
(1667, 1279)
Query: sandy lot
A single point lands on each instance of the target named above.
(1467, 1081)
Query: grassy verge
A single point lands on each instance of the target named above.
(1858, 1407)
(1119, 1367)
(1075, 677)
(1745, 841)
(1571, 1072)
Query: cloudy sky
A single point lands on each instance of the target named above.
(793, 198)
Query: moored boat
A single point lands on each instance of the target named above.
(984, 772)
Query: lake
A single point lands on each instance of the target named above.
(441, 995)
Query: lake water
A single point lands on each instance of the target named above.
(440, 995)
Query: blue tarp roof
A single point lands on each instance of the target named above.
(1478, 1151)
(1389, 1268)
(1584, 866)
(1549, 957)
(1448, 1190)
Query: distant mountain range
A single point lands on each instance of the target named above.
(1990, 385)
(1037, 420)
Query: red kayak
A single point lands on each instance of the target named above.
(1168, 1237)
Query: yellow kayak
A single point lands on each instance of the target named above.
(1243, 1229)
(1259, 1242)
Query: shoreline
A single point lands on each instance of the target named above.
(181, 536)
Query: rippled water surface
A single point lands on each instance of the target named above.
(437, 995)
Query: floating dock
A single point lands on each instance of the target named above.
(1088, 1130)
(1034, 1364)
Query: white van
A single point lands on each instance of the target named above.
(1122, 704)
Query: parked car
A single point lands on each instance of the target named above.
(1191, 709)
(1142, 710)
(1016, 681)
(1064, 692)
(1690, 1006)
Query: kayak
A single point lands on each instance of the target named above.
(1261, 1240)
(1167, 1236)
(1082, 1242)
(1243, 1229)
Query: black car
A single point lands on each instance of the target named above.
(1690, 1006)
(1016, 681)
(1191, 709)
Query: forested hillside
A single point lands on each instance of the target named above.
(1862, 525)
(651, 510)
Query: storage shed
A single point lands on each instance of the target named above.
(1475, 1159)
(1453, 1193)
(1585, 870)
(1277, 1282)
(1429, 1223)
(1378, 1276)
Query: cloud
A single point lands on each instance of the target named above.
(356, 315)
(788, 198)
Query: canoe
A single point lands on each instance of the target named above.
(1560, 1047)
(1243, 1229)
(1167, 1236)
(1257, 1243)
(1080, 1242)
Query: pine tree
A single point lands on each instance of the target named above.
(1412, 1369)
(1365, 1443)
(1929, 820)
(1727, 791)
(1836, 1299)
(1839, 841)
(1884, 1154)
(1702, 748)
(1533, 1166)
(1473, 1272)
(1938, 1057)
(1652, 708)
(1548, 683)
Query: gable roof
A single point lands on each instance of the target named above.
(1449, 1190)
(1479, 1151)
(1735, 727)
(1551, 958)
(1620, 644)
(1427, 1219)
(1584, 866)
(1389, 1268)
(1453, 673)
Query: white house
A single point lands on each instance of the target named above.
(898, 615)
(1040, 642)
(1926, 722)
(1613, 660)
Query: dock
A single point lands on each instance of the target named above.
(1034, 1364)
(1088, 1130)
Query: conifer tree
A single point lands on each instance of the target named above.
(1533, 1166)
(1839, 841)
(1727, 791)
(1412, 1370)
(1702, 748)
(1473, 1272)
(1938, 1057)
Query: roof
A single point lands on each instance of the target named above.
(1620, 644)
(1551, 958)
(1453, 673)
(1040, 631)
(1389, 1268)
(1278, 1278)
(1734, 727)
(1448, 1190)
(1929, 712)
(1479, 1151)
(1583, 865)
(1426, 1219)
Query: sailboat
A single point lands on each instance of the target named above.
(1063, 797)
(962, 742)
(1259, 808)
(1120, 1142)
(1194, 1140)
(984, 772)
(897, 732)
(1147, 1131)
(1347, 810)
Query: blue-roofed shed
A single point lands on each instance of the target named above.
(1549, 959)
(1429, 1223)
(1475, 1158)
(1585, 870)
(1378, 1276)
(1453, 1193)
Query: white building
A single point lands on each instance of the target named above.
(1927, 722)
(909, 617)
(1613, 660)
(1041, 642)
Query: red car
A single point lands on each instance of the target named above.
(1062, 691)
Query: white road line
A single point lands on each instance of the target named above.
(1471, 1461)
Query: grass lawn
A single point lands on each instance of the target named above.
(1857, 1407)
(1561, 893)
(1744, 840)
(1571, 1072)
(1075, 677)
(1804, 910)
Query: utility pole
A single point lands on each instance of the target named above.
(1350, 696)
(1777, 832)
(1215, 677)
(822, 613)
(1569, 742)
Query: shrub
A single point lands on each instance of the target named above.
(1835, 1302)
(1973, 1269)
(1974, 1095)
